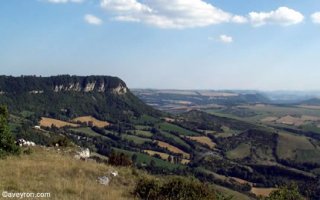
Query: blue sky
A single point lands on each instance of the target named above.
(176, 44)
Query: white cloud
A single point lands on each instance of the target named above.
(225, 39)
(91, 19)
(239, 19)
(315, 17)
(169, 13)
(282, 16)
(65, 1)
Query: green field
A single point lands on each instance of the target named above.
(141, 133)
(297, 148)
(174, 128)
(86, 130)
(146, 159)
(176, 139)
(135, 139)
(240, 152)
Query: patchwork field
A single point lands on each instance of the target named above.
(203, 140)
(90, 119)
(49, 122)
(172, 148)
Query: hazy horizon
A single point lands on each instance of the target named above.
(193, 44)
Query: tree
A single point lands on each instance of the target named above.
(134, 158)
(285, 193)
(7, 142)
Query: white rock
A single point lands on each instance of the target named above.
(104, 180)
(114, 173)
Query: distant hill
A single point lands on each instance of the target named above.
(313, 101)
(66, 97)
(182, 100)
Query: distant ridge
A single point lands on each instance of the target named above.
(66, 97)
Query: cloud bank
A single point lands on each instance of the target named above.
(169, 13)
(282, 16)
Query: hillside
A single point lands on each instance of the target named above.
(230, 145)
(56, 171)
(68, 97)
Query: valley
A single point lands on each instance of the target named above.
(239, 141)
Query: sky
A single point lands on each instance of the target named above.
(166, 44)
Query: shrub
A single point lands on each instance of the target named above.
(119, 159)
(285, 193)
(7, 142)
(174, 188)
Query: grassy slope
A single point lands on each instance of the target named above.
(64, 177)
(297, 147)
(57, 172)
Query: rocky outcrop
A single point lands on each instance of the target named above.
(120, 90)
(89, 87)
(63, 83)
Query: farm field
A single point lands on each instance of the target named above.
(203, 140)
(49, 122)
(174, 128)
(172, 149)
(90, 119)
(142, 133)
(164, 156)
(86, 130)
(262, 191)
(135, 139)
(288, 143)
(240, 152)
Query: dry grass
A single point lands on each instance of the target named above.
(289, 120)
(94, 121)
(47, 170)
(48, 122)
(262, 191)
(173, 149)
(241, 181)
(203, 140)
(269, 119)
(297, 121)
(164, 156)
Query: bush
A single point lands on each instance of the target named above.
(7, 142)
(285, 193)
(119, 159)
(174, 188)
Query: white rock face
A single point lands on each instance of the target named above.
(74, 87)
(58, 88)
(102, 88)
(89, 87)
(36, 92)
(120, 90)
